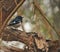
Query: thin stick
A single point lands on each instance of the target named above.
(15, 2)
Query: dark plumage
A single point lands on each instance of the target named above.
(15, 21)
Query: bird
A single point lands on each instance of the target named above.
(16, 22)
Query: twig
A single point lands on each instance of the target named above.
(15, 2)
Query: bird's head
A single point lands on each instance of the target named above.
(19, 19)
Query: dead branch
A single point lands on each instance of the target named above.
(10, 49)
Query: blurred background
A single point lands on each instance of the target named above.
(33, 21)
